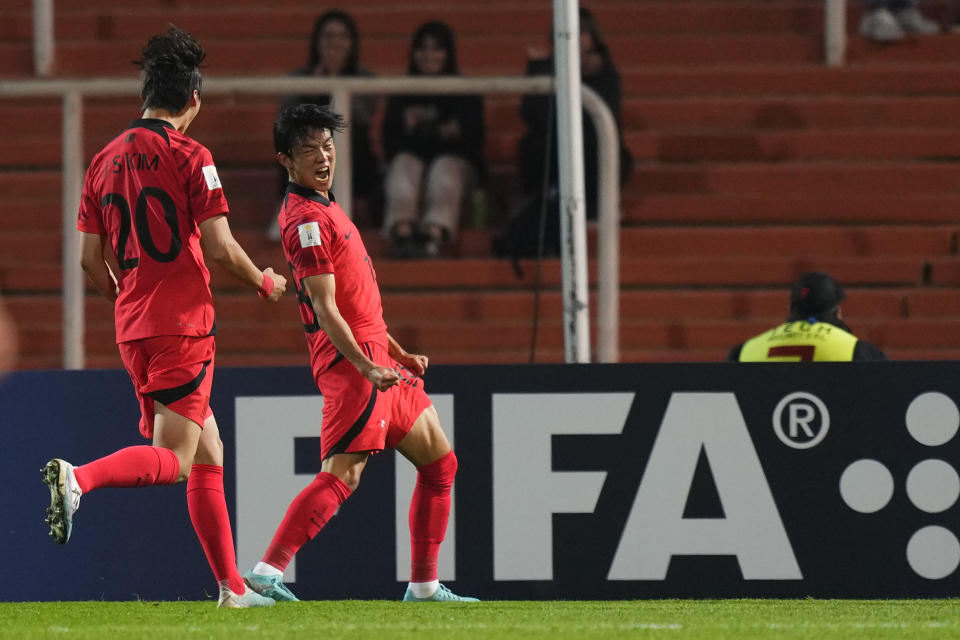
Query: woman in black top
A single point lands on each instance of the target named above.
(434, 149)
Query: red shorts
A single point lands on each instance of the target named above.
(176, 371)
(357, 417)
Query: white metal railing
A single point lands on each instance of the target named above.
(72, 91)
(834, 32)
(43, 40)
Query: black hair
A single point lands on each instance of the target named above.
(295, 123)
(170, 70)
(443, 35)
(588, 24)
(353, 57)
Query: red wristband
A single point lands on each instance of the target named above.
(266, 287)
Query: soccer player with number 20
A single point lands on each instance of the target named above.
(152, 207)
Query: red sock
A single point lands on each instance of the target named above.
(208, 513)
(139, 466)
(305, 517)
(429, 512)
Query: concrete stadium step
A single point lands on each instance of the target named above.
(929, 48)
(894, 179)
(34, 246)
(709, 242)
(438, 339)
(933, 302)
(945, 271)
(720, 241)
(766, 146)
(656, 271)
(790, 113)
(774, 208)
(488, 274)
(767, 304)
(647, 304)
(79, 22)
(913, 78)
(481, 54)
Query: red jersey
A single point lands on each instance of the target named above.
(319, 238)
(147, 191)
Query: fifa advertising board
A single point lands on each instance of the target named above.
(575, 481)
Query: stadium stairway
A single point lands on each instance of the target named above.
(754, 163)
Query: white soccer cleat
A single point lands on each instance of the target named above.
(249, 598)
(64, 498)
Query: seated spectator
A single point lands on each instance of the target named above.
(892, 20)
(434, 150)
(812, 332)
(335, 51)
(539, 174)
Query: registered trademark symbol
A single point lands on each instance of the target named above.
(801, 420)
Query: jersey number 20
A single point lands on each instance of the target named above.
(139, 219)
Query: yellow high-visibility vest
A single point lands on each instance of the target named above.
(800, 341)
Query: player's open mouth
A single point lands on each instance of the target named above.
(323, 173)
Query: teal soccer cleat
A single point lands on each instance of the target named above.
(270, 586)
(442, 594)
(64, 498)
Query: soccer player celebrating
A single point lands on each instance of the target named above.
(373, 395)
(152, 207)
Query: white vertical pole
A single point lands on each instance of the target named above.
(835, 32)
(608, 228)
(573, 226)
(71, 185)
(343, 176)
(43, 47)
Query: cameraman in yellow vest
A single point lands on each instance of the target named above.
(813, 331)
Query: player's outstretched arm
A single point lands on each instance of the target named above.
(414, 361)
(94, 265)
(220, 246)
(322, 290)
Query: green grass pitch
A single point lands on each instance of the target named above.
(556, 620)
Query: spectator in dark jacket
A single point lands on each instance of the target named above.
(541, 193)
(434, 149)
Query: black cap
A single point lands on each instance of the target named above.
(815, 293)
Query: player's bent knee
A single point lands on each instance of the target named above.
(439, 474)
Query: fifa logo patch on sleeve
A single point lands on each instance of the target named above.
(210, 175)
(309, 234)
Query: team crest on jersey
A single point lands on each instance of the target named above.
(210, 175)
(309, 234)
